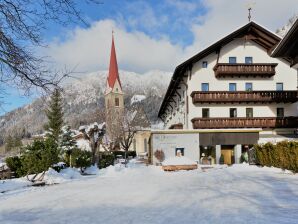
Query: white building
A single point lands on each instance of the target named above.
(234, 94)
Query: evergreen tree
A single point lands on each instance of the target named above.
(55, 115)
(68, 143)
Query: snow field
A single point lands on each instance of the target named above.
(140, 194)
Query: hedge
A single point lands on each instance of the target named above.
(282, 155)
(105, 160)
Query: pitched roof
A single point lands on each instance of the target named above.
(288, 46)
(251, 31)
(113, 69)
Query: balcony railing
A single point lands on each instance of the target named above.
(244, 96)
(255, 122)
(242, 69)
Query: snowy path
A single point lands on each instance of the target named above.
(238, 194)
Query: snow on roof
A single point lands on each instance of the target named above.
(137, 99)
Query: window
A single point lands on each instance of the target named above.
(279, 86)
(205, 112)
(204, 64)
(117, 102)
(178, 151)
(249, 112)
(248, 60)
(248, 86)
(233, 112)
(232, 87)
(116, 89)
(280, 112)
(205, 86)
(232, 60)
(145, 144)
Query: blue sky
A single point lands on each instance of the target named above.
(149, 35)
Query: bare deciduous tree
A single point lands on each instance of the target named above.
(21, 25)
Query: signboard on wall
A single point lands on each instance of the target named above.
(168, 143)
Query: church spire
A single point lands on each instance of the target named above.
(113, 69)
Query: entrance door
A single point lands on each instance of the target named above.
(228, 154)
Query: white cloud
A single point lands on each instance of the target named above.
(89, 49)
(136, 51)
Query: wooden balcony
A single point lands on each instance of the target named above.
(176, 126)
(222, 70)
(244, 96)
(243, 122)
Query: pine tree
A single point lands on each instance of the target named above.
(55, 115)
(67, 142)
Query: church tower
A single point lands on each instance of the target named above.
(114, 100)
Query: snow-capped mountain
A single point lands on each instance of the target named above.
(283, 30)
(84, 101)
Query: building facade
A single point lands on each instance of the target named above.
(234, 93)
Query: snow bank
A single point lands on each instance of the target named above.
(182, 160)
(92, 170)
(53, 177)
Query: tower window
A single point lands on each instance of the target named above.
(117, 102)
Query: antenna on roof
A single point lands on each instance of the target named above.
(249, 7)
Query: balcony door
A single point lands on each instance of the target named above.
(233, 112)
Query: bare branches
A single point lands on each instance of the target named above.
(21, 26)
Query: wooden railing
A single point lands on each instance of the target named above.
(255, 122)
(242, 69)
(244, 96)
(176, 126)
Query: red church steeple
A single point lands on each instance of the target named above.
(113, 70)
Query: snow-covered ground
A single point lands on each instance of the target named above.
(140, 194)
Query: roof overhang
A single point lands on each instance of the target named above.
(288, 46)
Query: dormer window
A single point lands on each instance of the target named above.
(248, 60)
(116, 89)
(232, 60)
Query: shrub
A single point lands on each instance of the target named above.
(106, 160)
(39, 156)
(81, 159)
(159, 155)
(282, 155)
(15, 165)
(221, 159)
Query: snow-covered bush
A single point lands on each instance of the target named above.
(81, 159)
